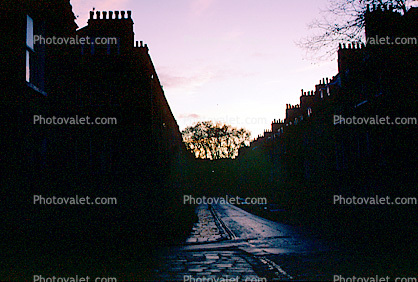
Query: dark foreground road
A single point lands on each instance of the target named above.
(228, 242)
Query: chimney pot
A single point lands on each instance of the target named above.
(142, 43)
(110, 15)
(136, 44)
(117, 15)
(104, 15)
(91, 15)
(129, 14)
(122, 14)
(98, 15)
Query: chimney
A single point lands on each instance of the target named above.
(110, 15)
(136, 43)
(117, 15)
(104, 15)
(327, 80)
(142, 43)
(98, 15)
(129, 14)
(122, 14)
(91, 15)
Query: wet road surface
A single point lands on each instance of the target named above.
(228, 242)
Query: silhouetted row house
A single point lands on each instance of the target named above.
(373, 81)
(130, 158)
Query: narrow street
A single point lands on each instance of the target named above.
(228, 242)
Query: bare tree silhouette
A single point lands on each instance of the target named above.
(343, 21)
(207, 140)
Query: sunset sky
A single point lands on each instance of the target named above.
(230, 60)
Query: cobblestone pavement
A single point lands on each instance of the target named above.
(206, 229)
(227, 264)
(213, 252)
(182, 263)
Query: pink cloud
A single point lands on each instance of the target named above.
(200, 6)
(189, 116)
(188, 83)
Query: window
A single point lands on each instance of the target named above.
(29, 46)
(27, 66)
(309, 112)
(35, 56)
(29, 32)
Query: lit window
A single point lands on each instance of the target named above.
(35, 55)
(29, 45)
(27, 66)
(29, 32)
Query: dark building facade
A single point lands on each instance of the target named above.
(374, 81)
(134, 159)
(117, 79)
(312, 156)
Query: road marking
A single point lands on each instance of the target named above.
(215, 215)
(273, 265)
